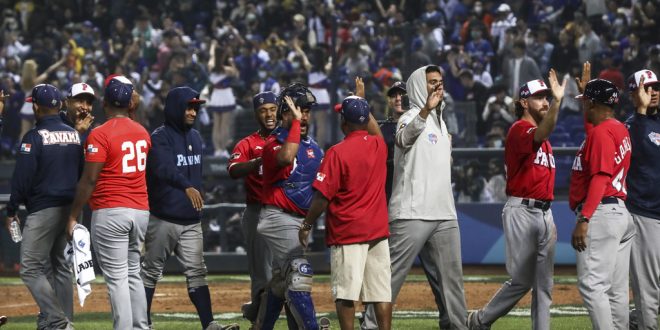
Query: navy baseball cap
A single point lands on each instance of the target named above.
(397, 86)
(45, 95)
(118, 91)
(263, 98)
(601, 91)
(355, 110)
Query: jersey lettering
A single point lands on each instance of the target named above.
(59, 137)
(182, 160)
(577, 163)
(624, 148)
(544, 159)
(619, 182)
(131, 151)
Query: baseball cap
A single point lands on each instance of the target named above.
(118, 91)
(649, 79)
(533, 87)
(355, 110)
(45, 95)
(601, 91)
(80, 89)
(397, 86)
(503, 8)
(263, 98)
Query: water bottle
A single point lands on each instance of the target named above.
(15, 231)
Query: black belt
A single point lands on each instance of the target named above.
(284, 210)
(610, 200)
(543, 205)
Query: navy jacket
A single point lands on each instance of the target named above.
(174, 162)
(48, 166)
(643, 176)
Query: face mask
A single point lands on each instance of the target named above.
(478, 10)
(61, 75)
(295, 65)
(153, 75)
(497, 144)
(262, 74)
(618, 22)
(98, 54)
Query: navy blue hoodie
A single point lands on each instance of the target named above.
(643, 176)
(174, 162)
(48, 166)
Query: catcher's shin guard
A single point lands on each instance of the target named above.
(298, 296)
(269, 311)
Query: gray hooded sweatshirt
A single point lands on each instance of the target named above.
(421, 187)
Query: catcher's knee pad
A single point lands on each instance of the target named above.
(298, 297)
(269, 310)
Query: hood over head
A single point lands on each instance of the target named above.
(416, 88)
(176, 104)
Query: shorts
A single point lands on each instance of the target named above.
(361, 271)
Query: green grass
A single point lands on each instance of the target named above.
(98, 321)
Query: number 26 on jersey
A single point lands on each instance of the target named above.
(135, 156)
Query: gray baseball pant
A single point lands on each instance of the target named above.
(645, 271)
(42, 250)
(603, 267)
(531, 236)
(438, 244)
(258, 254)
(118, 235)
(185, 241)
(280, 231)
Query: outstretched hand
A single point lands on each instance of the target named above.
(556, 88)
(3, 97)
(297, 113)
(434, 98)
(586, 76)
(643, 96)
(359, 87)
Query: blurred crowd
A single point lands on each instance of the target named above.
(230, 50)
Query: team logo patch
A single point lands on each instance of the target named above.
(81, 244)
(310, 153)
(433, 138)
(655, 138)
(235, 156)
(305, 269)
(320, 177)
(92, 149)
(275, 148)
(26, 147)
(258, 148)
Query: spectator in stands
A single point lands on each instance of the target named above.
(474, 92)
(478, 46)
(541, 49)
(519, 69)
(222, 102)
(588, 43)
(562, 51)
(504, 19)
(612, 70)
(495, 190)
(499, 107)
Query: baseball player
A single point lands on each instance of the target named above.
(245, 162)
(350, 186)
(174, 182)
(529, 227)
(423, 217)
(604, 229)
(290, 161)
(79, 102)
(643, 200)
(48, 166)
(113, 180)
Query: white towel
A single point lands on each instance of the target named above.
(78, 253)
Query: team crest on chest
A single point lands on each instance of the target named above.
(433, 138)
(310, 153)
(655, 138)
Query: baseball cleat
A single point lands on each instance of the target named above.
(3, 320)
(250, 311)
(324, 323)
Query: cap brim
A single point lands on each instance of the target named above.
(394, 89)
(197, 101)
(28, 99)
(82, 94)
(579, 96)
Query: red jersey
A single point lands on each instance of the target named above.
(352, 177)
(122, 145)
(606, 150)
(247, 149)
(273, 173)
(530, 167)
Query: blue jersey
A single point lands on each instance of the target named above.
(48, 166)
(644, 174)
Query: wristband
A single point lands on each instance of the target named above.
(582, 219)
(306, 226)
(294, 132)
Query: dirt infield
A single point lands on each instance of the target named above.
(228, 297)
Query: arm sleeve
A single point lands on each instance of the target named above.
(161, 163)
(601, 153)
(595, 194)
(240, 154)
(408, 130)
(522, 139)
(26, 166)
(328, 178)
(635, 125)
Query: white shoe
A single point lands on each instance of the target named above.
(324, 323)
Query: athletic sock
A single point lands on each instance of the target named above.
(149, 292)
(201, 298)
